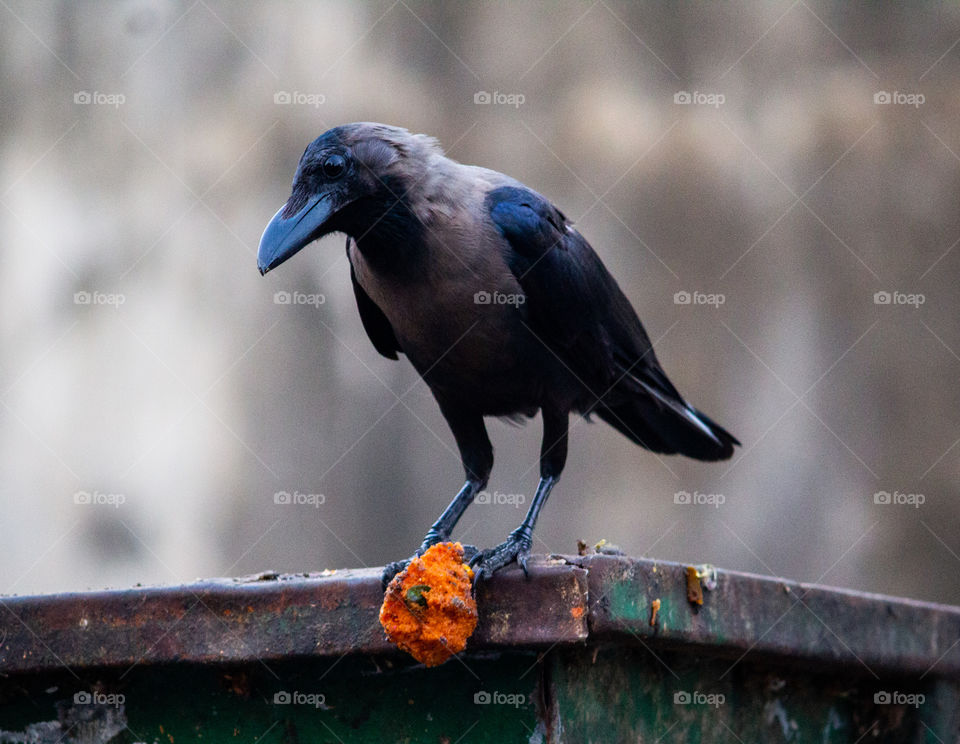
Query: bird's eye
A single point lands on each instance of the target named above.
(334, 166)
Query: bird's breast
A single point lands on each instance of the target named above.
(461, 318)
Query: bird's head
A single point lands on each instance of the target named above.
(347, 171)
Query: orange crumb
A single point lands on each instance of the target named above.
(654, 609)
(577, 612)
(428, 609)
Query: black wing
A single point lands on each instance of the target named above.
(375, 323)
(577, 309)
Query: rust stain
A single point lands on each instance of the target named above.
(694, 590)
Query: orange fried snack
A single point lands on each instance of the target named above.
(428, 609)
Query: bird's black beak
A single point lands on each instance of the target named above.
(285, 236)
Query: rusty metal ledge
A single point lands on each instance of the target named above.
(566, 600)
(267, 617)
(866, 634)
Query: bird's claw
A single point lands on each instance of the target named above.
(487, 562)
(432, 538)
(392, 569)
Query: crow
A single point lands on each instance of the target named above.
(502, 307)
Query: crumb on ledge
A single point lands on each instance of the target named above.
(428, 609)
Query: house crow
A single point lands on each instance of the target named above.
(499, 303)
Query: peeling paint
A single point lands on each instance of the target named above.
(78, 724)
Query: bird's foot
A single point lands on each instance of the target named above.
(486, 562)
(392, 569)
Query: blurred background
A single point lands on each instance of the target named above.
(774, 185)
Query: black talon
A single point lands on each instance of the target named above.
(391, 570)
(479, 574)
(522, 560)
(488, 562)
(431, 539)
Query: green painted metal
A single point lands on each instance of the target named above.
(772, 617)
(629, 695)
(354, 700)
(573, 695)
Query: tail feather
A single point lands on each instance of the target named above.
(658, 419)
(664, 430)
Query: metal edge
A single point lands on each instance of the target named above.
(567, 599)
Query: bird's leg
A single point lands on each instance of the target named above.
(477, 454)
(517, 546)
(553, 456)
(441, 529)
